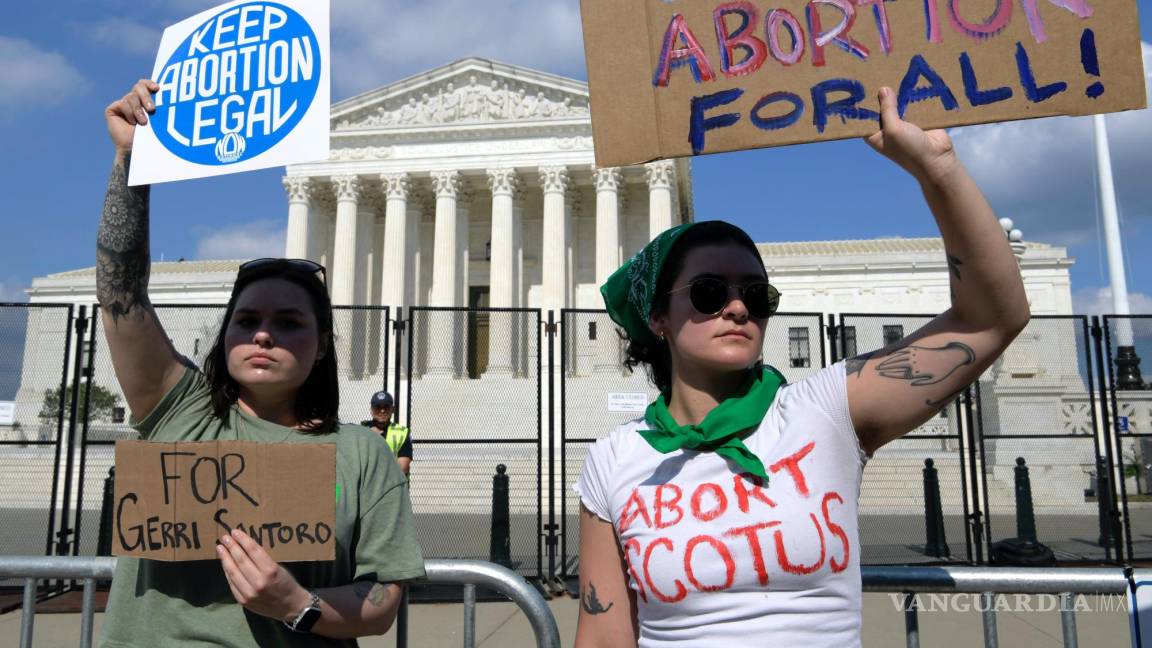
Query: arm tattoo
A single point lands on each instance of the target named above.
(954, 264)
(856, 365)
(923, 366)
(122, 258)
(374, 593)
(591, 604)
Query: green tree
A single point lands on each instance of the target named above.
(101, 402)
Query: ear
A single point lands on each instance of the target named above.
(322, 348)
(658, 324)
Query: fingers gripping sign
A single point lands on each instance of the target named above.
(924, 154)
(258, 582)
(124, 114)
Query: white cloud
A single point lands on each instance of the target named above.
(1041, 173)
(31, 77)
(1098, 301)
(263, 238)
(379, 41)
(125, 34)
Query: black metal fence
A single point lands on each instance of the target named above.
(482, 387)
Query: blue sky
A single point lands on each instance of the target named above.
(61, 62)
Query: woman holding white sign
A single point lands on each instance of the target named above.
(727, 515)
(270, 377)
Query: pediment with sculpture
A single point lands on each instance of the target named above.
(471, 96)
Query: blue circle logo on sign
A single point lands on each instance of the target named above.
(237, 85)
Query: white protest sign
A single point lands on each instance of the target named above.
(243, 86)
(627, 402)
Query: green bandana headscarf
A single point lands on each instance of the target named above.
(630, 291)
(723, 429)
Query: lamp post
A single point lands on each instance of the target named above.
(1015, 238)
(1127, 362)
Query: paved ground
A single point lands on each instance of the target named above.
(501, 625)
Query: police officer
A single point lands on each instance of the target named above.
(398, 438)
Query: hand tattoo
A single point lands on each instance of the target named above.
(591, 604)
(122, 258)
(926, 365)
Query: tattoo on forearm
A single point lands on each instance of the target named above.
(591, 604)
(954, 264)
(374, 593)
(122, 259)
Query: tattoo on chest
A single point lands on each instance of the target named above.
(591, 603)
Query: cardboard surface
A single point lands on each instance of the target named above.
(243, 86)
(174, 500)
(672, 78)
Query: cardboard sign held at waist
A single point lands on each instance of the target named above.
(671, 78)
(175, 500)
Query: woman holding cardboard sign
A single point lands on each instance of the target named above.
(727, 515)
(270, 377)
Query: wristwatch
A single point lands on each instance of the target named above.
(307, 617)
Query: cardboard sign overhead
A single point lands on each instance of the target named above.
(243, 86)
(671, 78)
(174, 500)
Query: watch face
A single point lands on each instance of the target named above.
(308, 618)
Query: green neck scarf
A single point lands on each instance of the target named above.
(723, 429)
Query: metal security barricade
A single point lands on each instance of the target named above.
(470, 573)
(34, 568)
(989, 582)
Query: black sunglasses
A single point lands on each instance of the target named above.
(709, 296)
(298, 265)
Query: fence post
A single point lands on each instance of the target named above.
(1107, 538)
(935, 543)
(104, 541)
(1025, 516)
(500, 549)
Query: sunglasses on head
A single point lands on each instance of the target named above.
(709, 296)
(298, 265)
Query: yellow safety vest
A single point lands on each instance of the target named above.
(396, 436)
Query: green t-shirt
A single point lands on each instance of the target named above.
(156, 603)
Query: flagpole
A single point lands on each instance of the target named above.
(1127, 362)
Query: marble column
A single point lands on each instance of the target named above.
(607, 222)
(661, 182)
(554, 181)
(607, 261)
(444, 339)
(301, 219)
(343, 271)
(395, 268)
(502, 279)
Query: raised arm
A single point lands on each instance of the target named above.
(146, 363)
(607, 605)
(895, 389)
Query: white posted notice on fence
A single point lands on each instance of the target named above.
(243, 86)
(627, 402)
(7, 412)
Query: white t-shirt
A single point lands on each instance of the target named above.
(715, 558)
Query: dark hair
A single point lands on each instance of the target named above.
(318, 399)
(655, 357)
